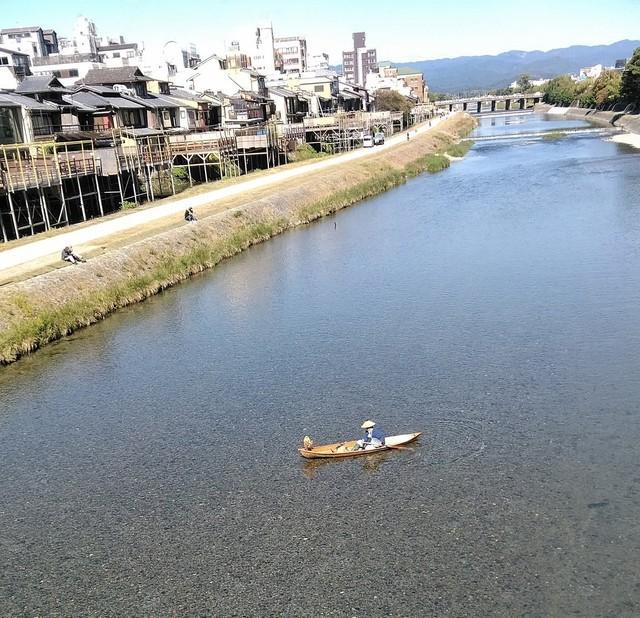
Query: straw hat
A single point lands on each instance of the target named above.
(368, 425)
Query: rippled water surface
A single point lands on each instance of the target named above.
(149, 464)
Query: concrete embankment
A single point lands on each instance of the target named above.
(627, 122)
(46, 307)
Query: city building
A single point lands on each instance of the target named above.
(84, 40)
(67, 68)
(30, 41)
(118, 54)
(264, 58)
(358, 62)
(235, 59)
(318, 62)
(415, 81)
(404, 80)
(292, 52)
(590, 72)
(14, 66)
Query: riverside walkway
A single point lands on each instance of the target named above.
(50, 247)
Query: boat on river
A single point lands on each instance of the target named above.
(345, 449)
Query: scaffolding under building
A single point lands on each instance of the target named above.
(45, 185)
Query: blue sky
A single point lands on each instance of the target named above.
(401, 31)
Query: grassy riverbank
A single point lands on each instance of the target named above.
(52, 305)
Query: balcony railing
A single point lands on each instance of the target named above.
(64, 59)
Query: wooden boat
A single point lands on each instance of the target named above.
(345, 449)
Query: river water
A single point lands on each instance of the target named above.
(149, 464)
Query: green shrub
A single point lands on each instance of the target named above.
(127, 205)
(303, 152)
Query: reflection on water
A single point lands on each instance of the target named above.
(150, 464)
(369, 464)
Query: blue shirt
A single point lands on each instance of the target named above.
(377, 433)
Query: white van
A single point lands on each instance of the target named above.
(367, 141)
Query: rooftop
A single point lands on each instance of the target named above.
(18, 30)
(35, 84)
(116, 75)
(12, 99)
(408, 71)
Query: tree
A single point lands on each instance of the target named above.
(583, 93)
(524, 83)
(560, 91)
(630, 83)
(606, 88)
(392, 101)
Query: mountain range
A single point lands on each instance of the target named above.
(464, 73)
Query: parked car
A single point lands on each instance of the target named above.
(367, 141)
(378, 138)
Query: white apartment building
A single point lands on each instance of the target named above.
(29, 41)
(263, 57)
(318, 62)
(84, 40)
(292, 52)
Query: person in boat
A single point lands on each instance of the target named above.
(68, 255)
(373, 437)
(189, 215)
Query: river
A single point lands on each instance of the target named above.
(149, 463)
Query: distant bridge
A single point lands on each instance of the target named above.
(491, 103)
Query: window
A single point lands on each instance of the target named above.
(318, 88)
(73, 72)
(4, 60)
(116, 54)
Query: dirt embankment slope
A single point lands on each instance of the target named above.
(46, 307)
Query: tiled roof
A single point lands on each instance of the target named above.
(115, 75)
(40, 83)
(11, 99)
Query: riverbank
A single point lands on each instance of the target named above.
(630, 123)
(49, 306)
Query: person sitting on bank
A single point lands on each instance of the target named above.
(189, 215)
(373, 437)
(69, 256)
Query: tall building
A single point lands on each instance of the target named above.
(360, 61)
(292, 51)
(263, 58)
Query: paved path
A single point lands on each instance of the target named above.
(46, 247)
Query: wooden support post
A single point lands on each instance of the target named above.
(13, 215)
(120, 188)
(97, 183)
(84, 212)
(26, 203)
(43, 206)
(149, 185)
(64, 202)
(4, 232)
(173, 183)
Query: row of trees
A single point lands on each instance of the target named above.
(610, 88)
